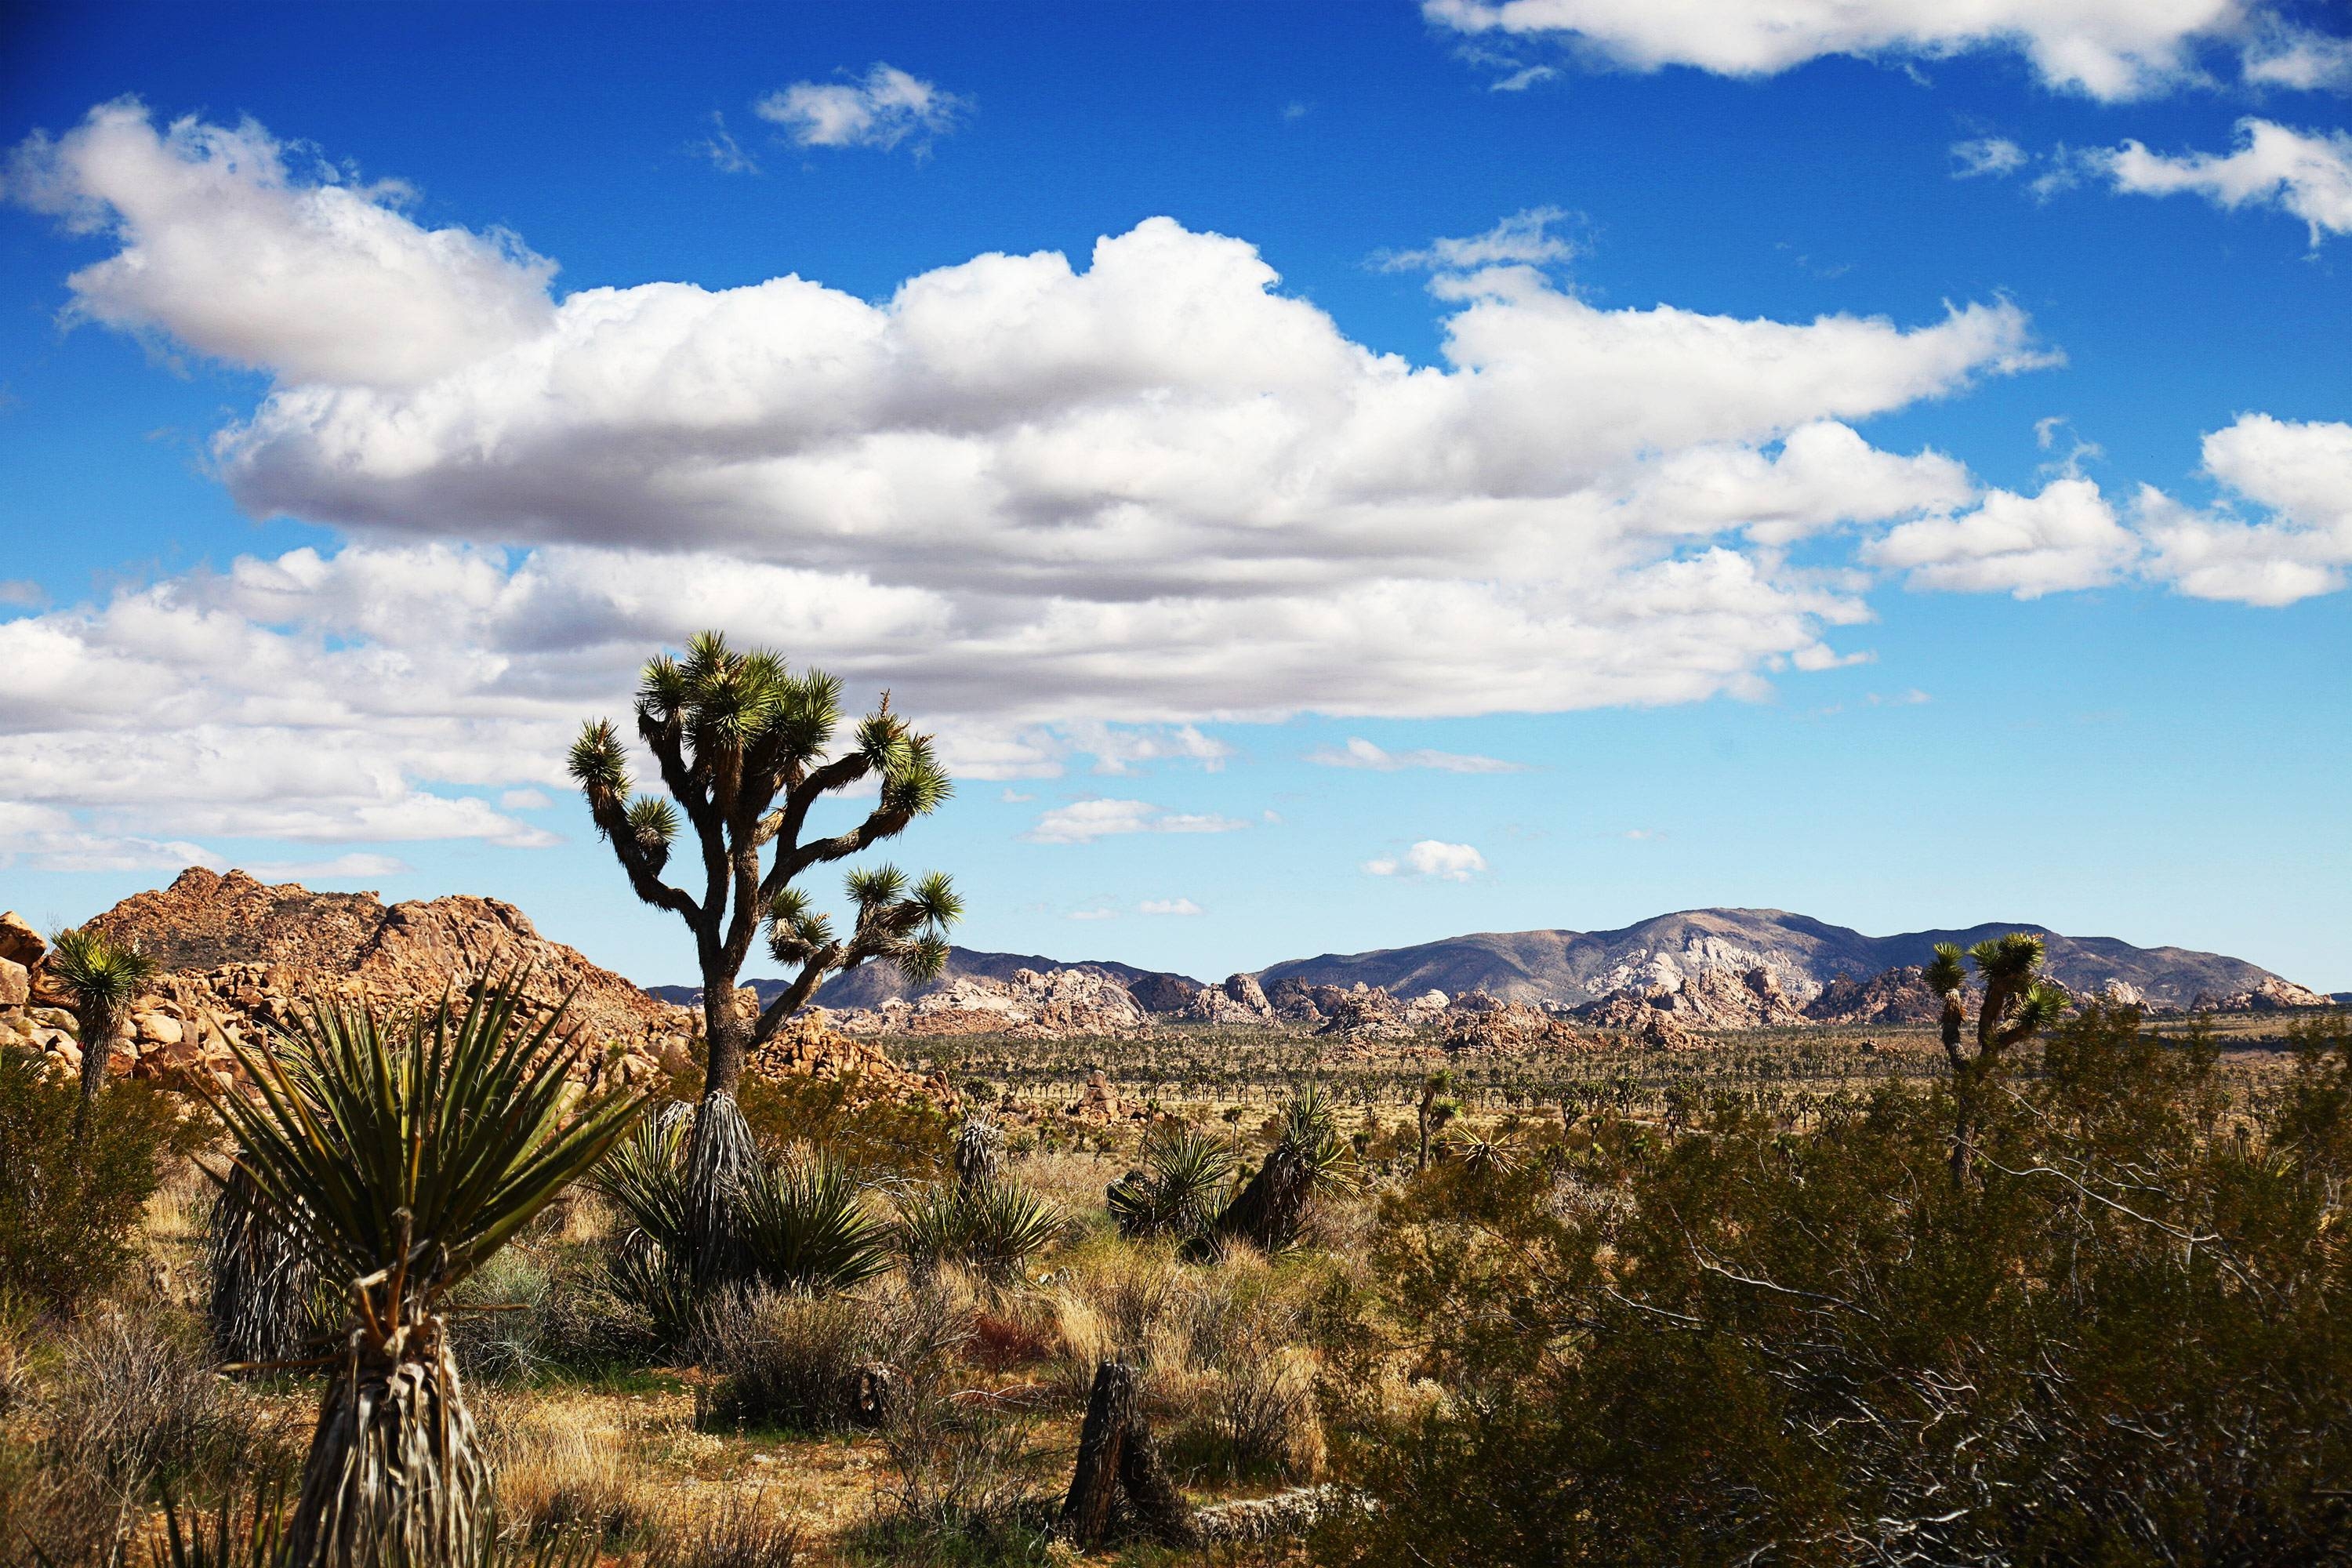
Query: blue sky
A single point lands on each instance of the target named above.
(1867, 468)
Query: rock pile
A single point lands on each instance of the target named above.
(807, 1047)
(2269, 996)
(1056, 1005)
(1507, 1026)
(1704, 999)
(1891, 996)
(1239, 1000)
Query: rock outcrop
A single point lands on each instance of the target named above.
(1059, 1003)
(1707, 999)
(1508, 1026)
(807, 1047)
(2267, 995)
(1239, 1001)
(1370, 1013)
(1898, 996)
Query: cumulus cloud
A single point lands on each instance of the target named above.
(2307, 174)
(1168, 907)
(1057, 508)
(2066, 537)
(1431, 858)
(881, 108)
(1084, 821)
(229, 250)
(1994, 155)
(2106, 49)
(1359, 753)
(2301, 475)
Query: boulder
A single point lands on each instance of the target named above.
(157, 1028)
(1294, 999)
(1897, 995)
(1160, 993)
(15, 984)
(1507, 1026)
(19, 942)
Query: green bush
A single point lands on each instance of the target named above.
(2127, 1338)
(69, 1210)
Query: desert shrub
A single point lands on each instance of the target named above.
(129, 1407)
(989, 1226)
(2125, 1340)
(498, 1317)
(69, 1209)
(782, 1361)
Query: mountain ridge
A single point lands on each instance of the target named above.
(1802, 954)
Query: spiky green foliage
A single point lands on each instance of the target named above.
(1308, 1156)
(402, 1157)
(104, 977)
(990, 1227)
(1944, 975)
(2017, 1005)
(806, 1227)
(1178, 1186)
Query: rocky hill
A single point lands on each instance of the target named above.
(1800, 955)
(872, 984)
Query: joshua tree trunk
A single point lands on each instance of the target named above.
(1115, 1455)
(2017, 1005)
(394, 1474)
(1964, 1094)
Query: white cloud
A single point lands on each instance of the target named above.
(725, 153)
(2107, 49)
(1084, 821)
(1523, 239)
(2301, 474)
(524, 800)
(1058, 509)
(1359, 753)
(2066, 537)
(1435, 860)
(2299, 57)
(232, 252)
(881, 108)
(1994, 155)
(341, 869)
(2307, 173)
(1097, 913)
(1168, 907)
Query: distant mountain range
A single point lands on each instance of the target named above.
(1573, 967)
(1801, 953)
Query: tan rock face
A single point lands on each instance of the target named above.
(15, 984)
(1509, 1027)
(19, 942)
(241, 957)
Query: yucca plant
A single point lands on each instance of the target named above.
(1179, 1185)
(978, 1150)
(263, 1281)
(805, 1226)
(990, 1227)
(403, 1157)
(1308, 1156)
(103, 977)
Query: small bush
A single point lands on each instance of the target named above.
(785, 1362)
(68, 1208)
(499, 1318)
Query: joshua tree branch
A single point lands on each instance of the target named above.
(643, 880)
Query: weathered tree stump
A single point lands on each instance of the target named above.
(1117, 1457)
(873, 1395)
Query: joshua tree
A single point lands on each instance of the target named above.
(103, 977)
(745, 749)
(2017, 1005)
(401, 1165)
(1437, 1110)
